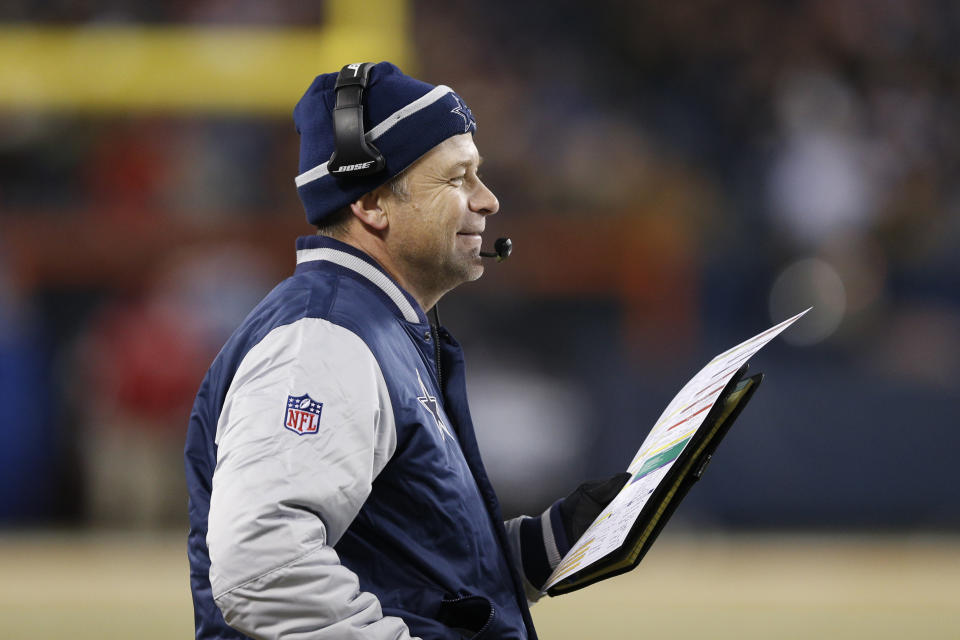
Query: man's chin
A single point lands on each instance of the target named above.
(463, 268)
(472, 269)
(476, 265)
(476, 273)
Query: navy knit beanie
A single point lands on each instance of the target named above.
(403, 117)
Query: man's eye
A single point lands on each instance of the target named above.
(458, 179)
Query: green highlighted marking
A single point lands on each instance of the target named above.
(662, 458)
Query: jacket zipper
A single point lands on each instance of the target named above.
(435, 330)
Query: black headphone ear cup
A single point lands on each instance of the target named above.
(353, 155)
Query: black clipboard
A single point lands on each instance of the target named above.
(685, 471)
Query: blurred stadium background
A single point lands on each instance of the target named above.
(675, 176)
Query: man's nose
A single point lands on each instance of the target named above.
(483, 201)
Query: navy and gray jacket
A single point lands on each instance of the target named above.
(336, 487)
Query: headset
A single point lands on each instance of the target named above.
(353, 155)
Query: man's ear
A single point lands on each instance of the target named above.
(369, 210)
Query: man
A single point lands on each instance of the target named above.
(336, 487)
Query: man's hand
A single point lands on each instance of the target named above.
(542, 542)
(579, 509)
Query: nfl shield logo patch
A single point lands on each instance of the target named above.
(303, 414)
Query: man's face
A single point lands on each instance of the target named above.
(435, 231)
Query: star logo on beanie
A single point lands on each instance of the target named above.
(462, 110)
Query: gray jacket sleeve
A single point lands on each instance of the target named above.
(281, 499)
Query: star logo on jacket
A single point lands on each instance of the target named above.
(430, 402)
(302, 415)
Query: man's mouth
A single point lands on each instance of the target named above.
(471, 237)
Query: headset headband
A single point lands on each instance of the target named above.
(352, 155)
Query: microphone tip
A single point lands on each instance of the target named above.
(503, 248)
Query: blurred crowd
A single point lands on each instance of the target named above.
(676, 177)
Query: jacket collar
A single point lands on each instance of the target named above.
(313, 250)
